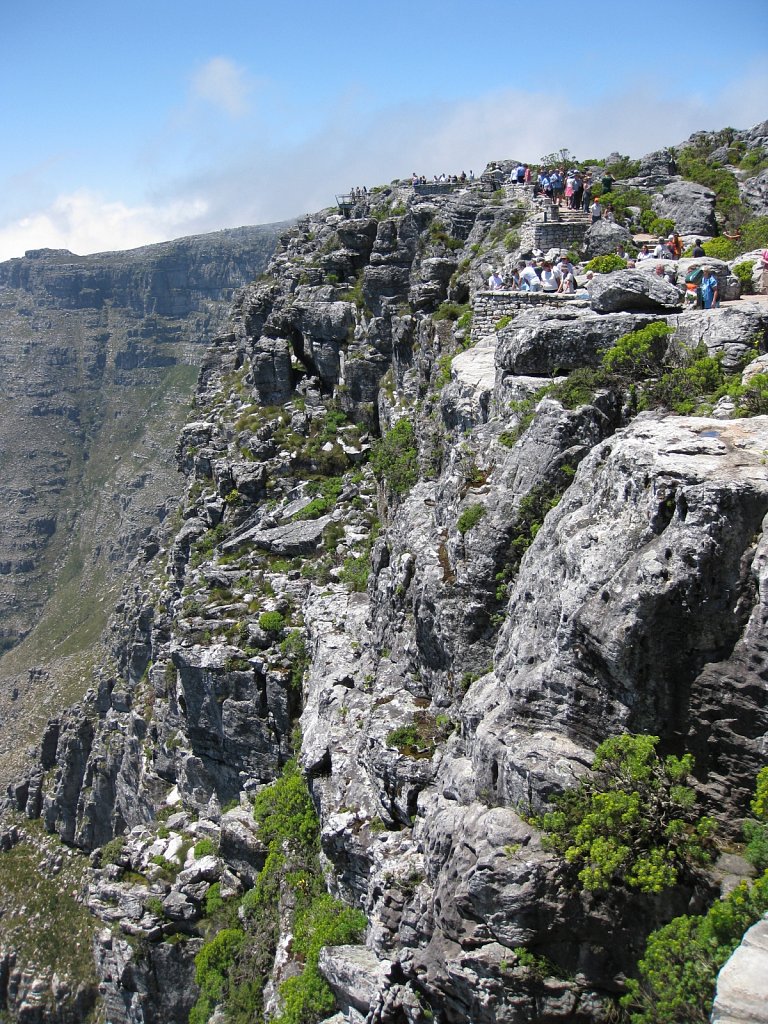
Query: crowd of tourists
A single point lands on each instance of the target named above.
(439, 179)
(563, 186)
(557, 275)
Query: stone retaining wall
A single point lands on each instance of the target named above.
(551, 234)
(488, 307)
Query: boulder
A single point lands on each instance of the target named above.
(657, 168)
(730, 331)
(603, 236)
(690, 205)
(541, 343)
(742, 985)
(271, 371)
(633, 290)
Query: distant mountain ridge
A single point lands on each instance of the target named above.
(99, 358)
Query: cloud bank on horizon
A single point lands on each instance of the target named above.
(245, 155)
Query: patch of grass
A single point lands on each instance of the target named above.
(394, 459)
(43, 917)
(470, 517)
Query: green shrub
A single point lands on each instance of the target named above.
(756, 829)
(355, 572)
(294, 648)
(661, 226)
(502, 322)
(470, 517)
(720, 248)
(451, 311)
(632, 821)
(606, 264)
(420, 737)
(744, 273)
(754, 235)
(678, 971)
(578, 388)
(681, 388)
(636, 355)
(205, 847)
(271, 622)
(212, 970)
(111, 851)
(530, 516)
(394, 458)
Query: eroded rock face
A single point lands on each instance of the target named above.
(603, 236)
(690, 205)
(454, 642)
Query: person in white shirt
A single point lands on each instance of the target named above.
(495, 281)
(549, 279)
(529, 279)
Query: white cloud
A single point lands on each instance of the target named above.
(85, 222)
(223, 84)
(264, 180)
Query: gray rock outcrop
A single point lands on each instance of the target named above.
(742, 985)
(634, 291)
(690, 205)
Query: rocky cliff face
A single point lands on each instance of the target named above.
(454, 634)
(99, 359)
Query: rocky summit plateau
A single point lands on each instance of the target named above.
(433, 682)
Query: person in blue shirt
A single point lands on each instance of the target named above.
(708, 285)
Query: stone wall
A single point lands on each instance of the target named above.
(488, 307)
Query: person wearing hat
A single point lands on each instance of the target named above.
(596, 210)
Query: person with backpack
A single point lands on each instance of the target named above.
(693, 288)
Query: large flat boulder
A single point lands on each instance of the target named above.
(543, 343)
(634, 291)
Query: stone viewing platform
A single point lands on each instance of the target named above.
(489, 307)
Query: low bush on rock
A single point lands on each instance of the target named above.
(677, 975)
(234, 966)
(606, 264)
(633, 820)
(744, 273)
(394, 458)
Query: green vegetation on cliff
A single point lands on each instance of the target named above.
(235, 964)
(632, 820)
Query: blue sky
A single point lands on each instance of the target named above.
(130, 123)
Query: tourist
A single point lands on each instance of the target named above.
(495, 281)
(578, 192)
(621, 252)
(586, 193)
(518, 175)
(698, 250)
(645, 253)
(675, 244)
(566, 277)
(529, 279)
(662, 250)
(710, 297)
(596, 210)
(549, 279)
(607, 181)
(609, 215)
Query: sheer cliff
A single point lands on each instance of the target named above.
(99, 361)
(421, 571)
